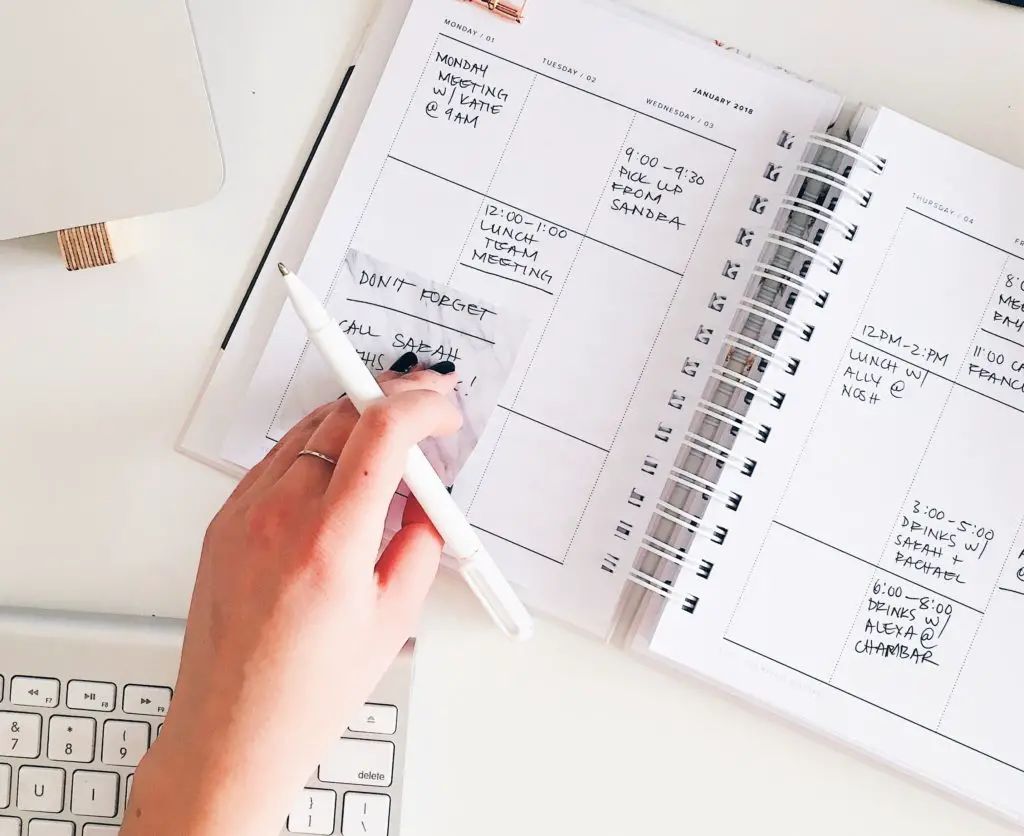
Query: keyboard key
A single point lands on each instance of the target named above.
(376, 719)
(91, 696)
(44, 827)
(5, 786)
(144, 699)
(20, 734)
(98, 830)
(94, 794)
(363, 762)
(128, 789)
(365, 814)
(124, 743)
(314, 812)
(9, 826)
(71, 739)
(31, 690)
(40, 789)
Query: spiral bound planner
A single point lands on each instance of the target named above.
(755, 355)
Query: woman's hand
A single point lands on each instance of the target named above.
(293, 619)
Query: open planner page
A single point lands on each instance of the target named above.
(586, 172)
(872, 581)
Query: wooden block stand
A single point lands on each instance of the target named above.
(95, 245)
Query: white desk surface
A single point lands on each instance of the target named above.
(563, 735)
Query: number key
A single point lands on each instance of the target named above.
(20, 734)
(124, 743)
(72, 739)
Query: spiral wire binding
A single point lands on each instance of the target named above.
(817, 213)
(790, 280)
(790, 247)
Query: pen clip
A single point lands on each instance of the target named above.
(489, 585)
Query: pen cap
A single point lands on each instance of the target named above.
(490, 586)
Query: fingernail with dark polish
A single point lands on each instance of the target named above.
(404, 363)
(444, 367)
(450, 488)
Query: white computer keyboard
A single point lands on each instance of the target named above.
(83, 697)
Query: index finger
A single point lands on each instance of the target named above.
(373, 460)
(276, 463)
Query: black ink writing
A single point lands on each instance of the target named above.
(461, 93)
(902, 625)
(384, 281)
(510, 244)
(900, 343)
(994, 370)
(647, 187)
(636, 210)
(374, 360)
(424, 350)
(470, 66)
(352, 328)
(444, 300)
(946, 549)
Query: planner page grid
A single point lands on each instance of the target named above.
(873, 583)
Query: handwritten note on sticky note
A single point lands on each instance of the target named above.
(387, 312)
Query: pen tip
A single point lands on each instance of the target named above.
(284, 270)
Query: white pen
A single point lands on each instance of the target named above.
(475, 565)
